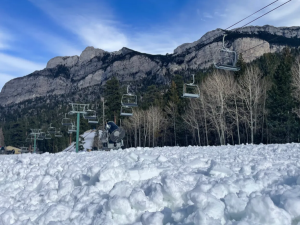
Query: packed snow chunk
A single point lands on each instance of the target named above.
(162, 158)
(65, 186)
(119, 205)
(208, 204)
(216, 170)
(109, 176)
(246, 170)
(248, 185)
(234, 206)
(57, 212)
(121, 210)
(199, 163)
(121, 189)
(201, 218)
(8, 217)
(219, 190)
(290, 201)
(261, 210)
(140, 201)
(152, 218)
(154, 192)
(132, 156)
(143, 174)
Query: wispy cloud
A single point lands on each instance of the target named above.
(5, 38)
(91, 28)
(207, 15)
(54, 43)
(98, 34)
(12, 67)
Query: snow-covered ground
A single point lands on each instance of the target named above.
(233, 185)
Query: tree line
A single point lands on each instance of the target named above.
(258, 104)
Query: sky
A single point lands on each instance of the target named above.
(34, 31)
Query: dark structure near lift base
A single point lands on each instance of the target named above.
(112, 137)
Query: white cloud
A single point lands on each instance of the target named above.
(207, 15)
(12, 67)
(55, 44)
(154, 43)
(18, 66)
(4, 78)
(91, 28)
(98, 34)
(4, 39)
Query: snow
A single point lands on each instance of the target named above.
(224, 185)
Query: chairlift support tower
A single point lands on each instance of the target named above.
(78, 109)
(35, 133)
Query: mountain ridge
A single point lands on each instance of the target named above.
(94, 66)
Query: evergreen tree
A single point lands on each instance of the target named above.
(113, 99)
(81, 143)
(242, 65)
(281, 120)
(152, 96)
(2, 143)
(18, 134)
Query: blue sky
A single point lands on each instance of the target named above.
(34, 31)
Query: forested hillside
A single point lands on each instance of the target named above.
(258, 104)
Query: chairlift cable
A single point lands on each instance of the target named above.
(266, 13)
(255, 20)
(252, 14)
(218, 35)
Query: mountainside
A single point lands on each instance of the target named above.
(65, 75)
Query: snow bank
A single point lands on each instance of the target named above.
(232, 185)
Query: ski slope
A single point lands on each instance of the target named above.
(232, 185)
(88, 141)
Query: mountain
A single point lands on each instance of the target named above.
(73, 74)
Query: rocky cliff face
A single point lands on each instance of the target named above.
(63, 75)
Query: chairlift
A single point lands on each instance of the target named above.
(126, 111)
(191, 90)
(93, 121)
(58, 134)
(24, 149)
(72, 129)
(29, 138)
(129, 100)
(51, 130)
(41, 136)
(66, 121)
(225, 59)
(90, 114)
(48, 136)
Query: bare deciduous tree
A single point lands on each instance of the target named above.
(192, 117)
(216, 90)
(252, 89)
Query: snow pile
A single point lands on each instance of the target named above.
(232, 185)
